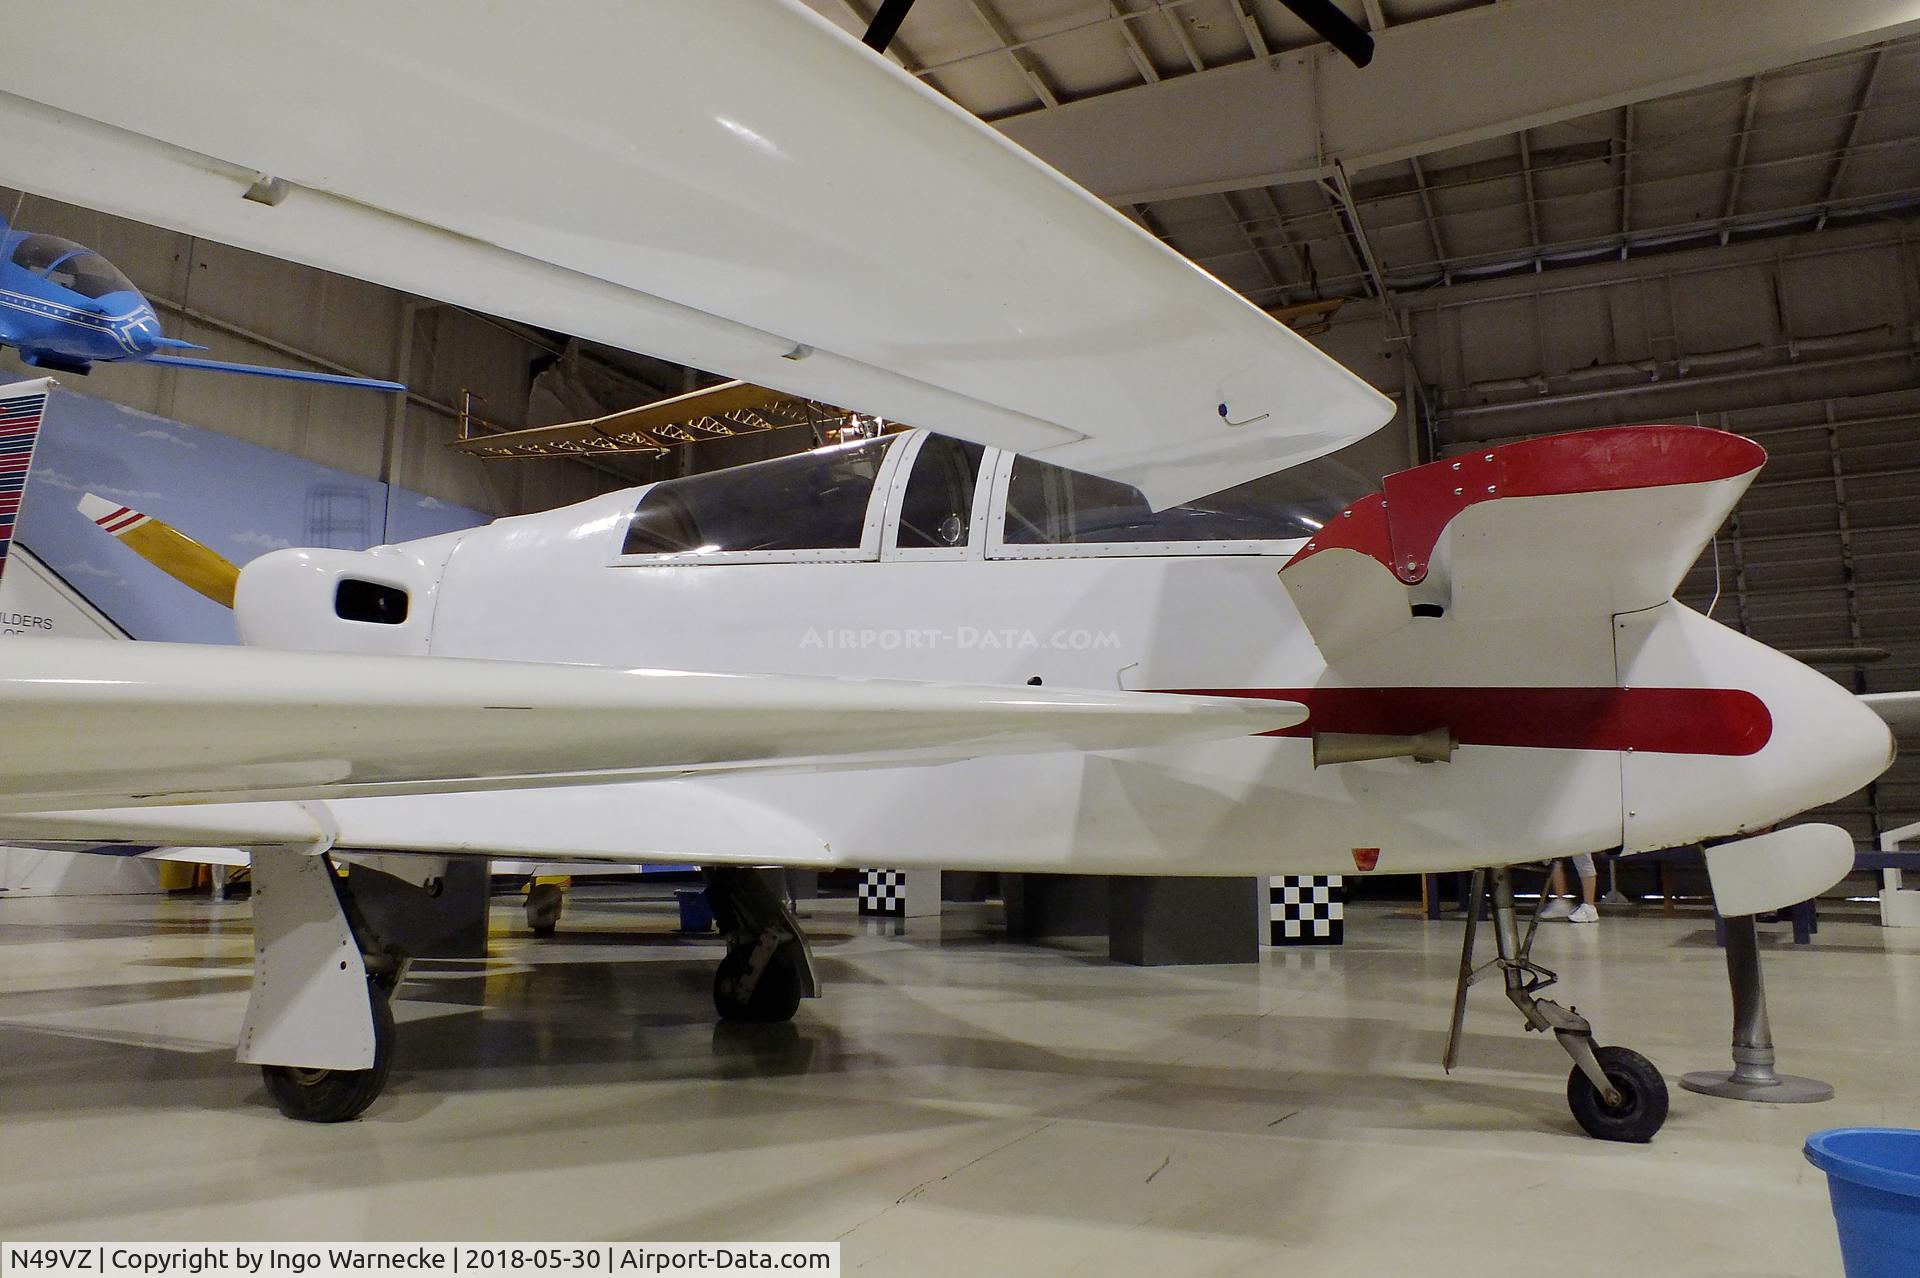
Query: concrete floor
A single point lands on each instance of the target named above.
(955, 1105)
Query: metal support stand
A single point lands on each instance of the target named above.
(1752, 1077)
(1614, 895)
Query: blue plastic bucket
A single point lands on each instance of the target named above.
(1873, 1174)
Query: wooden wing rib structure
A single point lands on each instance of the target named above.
(717, 412)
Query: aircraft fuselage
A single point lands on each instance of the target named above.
(1577, 730)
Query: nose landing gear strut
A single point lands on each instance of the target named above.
(1615, 1093)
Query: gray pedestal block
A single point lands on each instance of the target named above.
(1046, 905)
(1161, 922)
(1149, 922)
(966, 885)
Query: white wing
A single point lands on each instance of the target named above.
(1901, 710)
(660, 821)
(92, 725)
(734, 184)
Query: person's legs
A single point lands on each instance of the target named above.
(1587, 912)
(1557, 905)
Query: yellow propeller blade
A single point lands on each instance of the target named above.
(166, 548)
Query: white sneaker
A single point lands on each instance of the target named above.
(1559, 907)
(1585, 914)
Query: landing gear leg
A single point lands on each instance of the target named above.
(544, 903)
(319, 1023)
(1752, 1077)
(1614, 1093)
(769, 967)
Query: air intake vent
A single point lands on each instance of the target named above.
(370, 601)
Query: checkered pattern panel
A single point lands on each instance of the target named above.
(1307, 909)
(883, 892)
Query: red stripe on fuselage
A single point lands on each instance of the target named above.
(1724, 721)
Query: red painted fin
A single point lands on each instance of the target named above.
(1419, 503)
(1361, 526)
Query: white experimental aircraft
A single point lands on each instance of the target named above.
(1110, 619)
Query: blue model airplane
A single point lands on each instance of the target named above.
(64, 307)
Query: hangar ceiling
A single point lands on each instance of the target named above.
(1795, 143)
(1002, 58)
(1818, 143)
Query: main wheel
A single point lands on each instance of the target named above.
(775, 997)
(544, 903)
(336, 1095)
(1643, 1097)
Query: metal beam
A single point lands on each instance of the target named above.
(1259, 250)
(1125, 17)
(1340, 192)
(1738, 169)
(1278, 221)
(1672, 384)
(1533, 201)
(1184, 36)
(1029, 68)
(1860, 106)
(1142, 63)
(1250, 27)
(1439, 82)
(1626, 178)
(1433, 221)
(1411, 275)
(1849, 567)
(1879, 201)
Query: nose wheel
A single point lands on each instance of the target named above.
(1615, 1093)
(337, 1095)
(319, 1022)
(768, 968)
(766, 996)
(545, 901)
(1640, 1107)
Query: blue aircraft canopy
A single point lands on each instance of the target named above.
(70, 265)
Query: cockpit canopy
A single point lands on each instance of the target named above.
(824, 504)
(71, 266)
(809, 501)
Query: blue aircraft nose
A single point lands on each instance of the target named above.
(144, 332)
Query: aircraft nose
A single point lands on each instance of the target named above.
(1797, 740)
(144, 331)
(1826, 743)
(1845, 741)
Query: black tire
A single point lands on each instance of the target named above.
(776, 996)
(1643, 1098)
(544, 905)
(336, 1095)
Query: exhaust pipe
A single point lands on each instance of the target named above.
(1434, 746)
